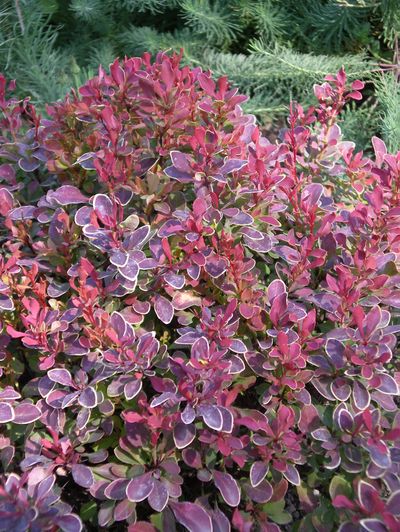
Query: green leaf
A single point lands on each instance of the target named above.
(339, 486)
(324, 517)
(157, 521)
(88, 511)
(313, 479)
(283, 518)
(276, 512)
(306, 524)
(307, 498)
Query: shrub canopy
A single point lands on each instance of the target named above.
(198, 325)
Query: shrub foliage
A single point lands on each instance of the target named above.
(198, 325)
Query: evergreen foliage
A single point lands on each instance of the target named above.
(388, 90)
(273, 50)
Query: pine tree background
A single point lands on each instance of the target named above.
(273, 50)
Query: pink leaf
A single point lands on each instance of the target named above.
(192, 516)
(164, 309)
(228, 487)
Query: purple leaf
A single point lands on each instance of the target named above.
(119, 258)
(183, 177)
(6, 303)
(323, 387)
(6, 201)
(275, 289)
(360, 396)
(309, 419)
(137, 238)
(192, 458)
(380, 455)
(28, 164)
(220, 522)
(188, 338)
(290, 255)
(345, 420)
(69, 523)
(184, 435)
(311, 194)
(105, 515)
(130, 270)
(88, 398)
(341, 390)
(242, 218)
(7, 455)
(132, 388)
(393, 503)
(335, 351)
(26, 413)
(228, 488)
(171, 227)
(194, 271)
(123, 510)
(67, 195)
(158, 497)
(261, 246)
(116, 490)
(61, 376)
(328, 302)
(23, 213)
(86, 160)
(82, 216)
(258, 472)
(261, 493)
(373, 525)
(212, 417)
(55, 398)
(161, 399)
(45, 486)
(98, 456)
(292, 475)
(227, 419)
(9, 394)
(58, 289)
(387, 385)
(236, 365)
(237, 346)
(7, 172)
(175, 280)
(69, 399)
(373, 320)
(6, 413)
(251, 233)
(82, 418)
(148, 264)
(188, 415)
(119, 325)
(180, 161)
(82, 475)
(104, 209)
(200, 349)
(192, 516)
(232, 165)
(124, 195)
(164, 309)
(367, 494)
(139, 488)
(215, 266)
(321, 434)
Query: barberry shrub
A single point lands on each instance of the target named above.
(198, 325)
